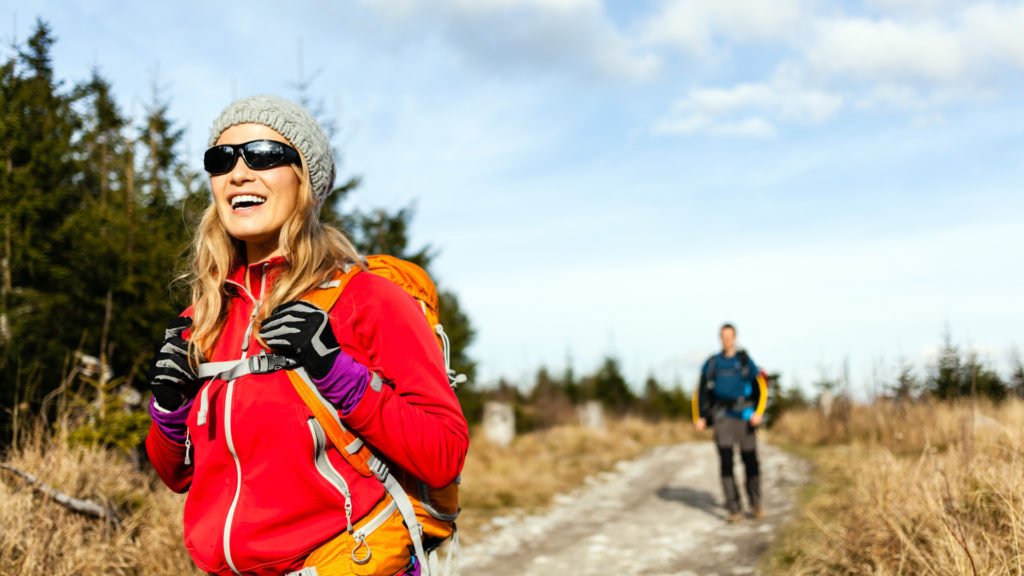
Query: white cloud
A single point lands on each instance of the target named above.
(913, 7)
(749, 127)
(924, 57)
(997, 31)
(527, 34)
(745, 109)
(698, 26)
(887, 50)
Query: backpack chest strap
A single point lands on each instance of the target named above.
(262, 363)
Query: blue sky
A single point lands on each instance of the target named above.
(842, 180)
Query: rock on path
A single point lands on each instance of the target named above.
(656, 515)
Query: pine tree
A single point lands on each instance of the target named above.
(946, 378)
(1016, 383)
(550, 402)
(982, 380)
(656, 401)
(907, 386)
(39, 188)
(609, 387)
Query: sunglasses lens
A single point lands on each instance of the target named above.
(219, 159)
(258, 155)
(263, 154)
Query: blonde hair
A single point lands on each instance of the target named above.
(313, 252)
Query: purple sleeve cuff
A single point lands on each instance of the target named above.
(172, 424)
(345, 384)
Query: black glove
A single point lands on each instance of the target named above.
(302, 331)
(171, 376)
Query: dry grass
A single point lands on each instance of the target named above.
(40, 537)
(922, 489)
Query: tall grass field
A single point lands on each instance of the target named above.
(37, 536)
(923, 488)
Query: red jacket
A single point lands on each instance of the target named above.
(257, 504)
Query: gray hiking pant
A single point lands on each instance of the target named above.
(728, 433)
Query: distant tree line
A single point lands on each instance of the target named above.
(957, 373)
(552, 399)
(96, 209)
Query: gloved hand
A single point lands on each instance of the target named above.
(171, 376)
(303, 332)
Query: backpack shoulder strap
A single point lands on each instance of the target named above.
(327, 293)
(744, 359)
(325, 296)
(352, 448)
(710, 368)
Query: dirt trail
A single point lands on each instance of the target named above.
(659, 514)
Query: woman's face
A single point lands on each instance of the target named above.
(238, 193)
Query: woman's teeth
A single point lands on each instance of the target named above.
(246, 201)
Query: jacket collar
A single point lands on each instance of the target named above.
(261, 275)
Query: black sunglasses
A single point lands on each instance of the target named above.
(258, 155)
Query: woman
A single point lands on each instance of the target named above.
(264, 496)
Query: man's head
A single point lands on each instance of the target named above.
(728, 336)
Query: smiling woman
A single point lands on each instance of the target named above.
(269, 490)
(256, 196)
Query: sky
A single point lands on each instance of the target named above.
(843, 181)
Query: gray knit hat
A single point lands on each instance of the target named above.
(294, 123)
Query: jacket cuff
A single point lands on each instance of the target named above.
(167, 458)
(369, 406)
(345, 384)
(171, 423)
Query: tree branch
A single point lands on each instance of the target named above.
(84, 507)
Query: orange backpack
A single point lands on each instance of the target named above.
(428, 514)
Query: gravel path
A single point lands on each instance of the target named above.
(659, 514)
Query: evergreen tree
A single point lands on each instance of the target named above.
(957, 376)
(95, 213)
(659, 403)
(1016, 383)
(907, 386)
(568, 383)
(781, 398)
(40, 185)
(609, 387)
(549, 400)
(981, 380)
(946, 378)
(87, 254)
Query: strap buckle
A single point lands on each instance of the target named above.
(379, 468)
(264, 363)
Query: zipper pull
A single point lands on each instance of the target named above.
(188, 448)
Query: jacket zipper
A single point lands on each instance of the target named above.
(227, 418)
(327, 470)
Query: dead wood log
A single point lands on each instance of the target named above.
(77, 505)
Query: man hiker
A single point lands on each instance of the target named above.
(731, 397)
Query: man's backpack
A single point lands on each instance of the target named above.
(731, 393)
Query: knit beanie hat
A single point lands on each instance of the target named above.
(294, 123)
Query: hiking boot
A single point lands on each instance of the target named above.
(758, 513)
(734, 518)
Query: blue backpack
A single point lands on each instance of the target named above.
(732, 391)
